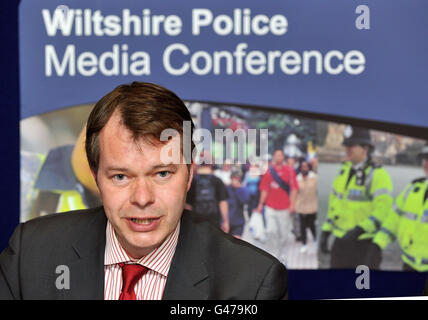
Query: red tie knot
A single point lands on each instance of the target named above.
(131, 273)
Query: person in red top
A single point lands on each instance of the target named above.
(278, 194)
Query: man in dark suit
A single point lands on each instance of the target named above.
(140, 244)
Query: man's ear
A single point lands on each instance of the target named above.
(189, 180)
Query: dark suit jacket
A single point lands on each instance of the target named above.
(207, 263)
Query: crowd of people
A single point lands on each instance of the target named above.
(362, 218)
(283, 193)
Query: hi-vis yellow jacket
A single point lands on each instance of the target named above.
(359, 197)
(407, 221)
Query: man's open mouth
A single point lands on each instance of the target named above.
(143, 221)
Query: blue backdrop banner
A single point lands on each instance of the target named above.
(341, 58)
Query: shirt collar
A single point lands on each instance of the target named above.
(359, 165)
(158, 260)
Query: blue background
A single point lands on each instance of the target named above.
(390, 93)
(394, 80)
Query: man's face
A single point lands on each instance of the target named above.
(236, 182)
(226, 167)
(143, 197)
(304, 167)
(278, 157)
(356, 153)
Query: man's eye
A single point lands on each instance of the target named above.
(163, 174)
(119, 177)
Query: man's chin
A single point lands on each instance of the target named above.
(142, 247)
(138, 244)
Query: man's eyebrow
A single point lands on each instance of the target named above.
(164, 166)
(117, 169)
(156, 167)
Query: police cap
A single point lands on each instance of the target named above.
(356, 136)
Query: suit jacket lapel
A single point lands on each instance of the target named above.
(87, 265)
(188, 275)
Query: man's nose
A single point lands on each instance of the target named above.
(142, 193)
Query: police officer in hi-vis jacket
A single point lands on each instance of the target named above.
(407, 222)
(359, 201)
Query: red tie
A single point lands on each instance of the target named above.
(131, 273)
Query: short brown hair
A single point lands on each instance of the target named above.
(146, 110)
